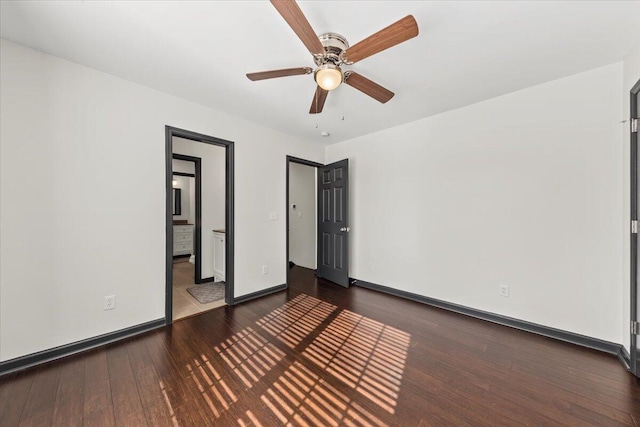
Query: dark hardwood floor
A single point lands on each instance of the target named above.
(321, 355)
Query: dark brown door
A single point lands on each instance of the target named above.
(333, 222)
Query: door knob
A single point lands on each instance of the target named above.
(345, 229)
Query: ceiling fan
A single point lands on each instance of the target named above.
(331, 50)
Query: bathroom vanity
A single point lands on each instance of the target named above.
(182, 239)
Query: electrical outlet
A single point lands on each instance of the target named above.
(110, 302)
(265, 269)
(504, 290)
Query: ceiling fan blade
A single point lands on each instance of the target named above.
(292, 13)
(390, 36)
(368, 87)
(318, 101)
(262, 75)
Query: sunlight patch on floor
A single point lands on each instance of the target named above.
(249, 355)
(346, 352)
(296, 319)
(301, 398)
(215, 392)
(367, 355)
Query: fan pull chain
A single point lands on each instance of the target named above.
(342, 104)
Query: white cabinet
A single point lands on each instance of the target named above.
(219, 254)
(182, 239)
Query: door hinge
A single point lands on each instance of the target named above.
(634, 125)
(634, 226)
(635, 328)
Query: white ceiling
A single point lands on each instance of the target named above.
(466, 52)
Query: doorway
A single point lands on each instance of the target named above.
(302, 214)
(199, 223)
(331, 218)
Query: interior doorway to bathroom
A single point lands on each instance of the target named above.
(199, 232)
(188, 298)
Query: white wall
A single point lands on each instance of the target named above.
(192, 202)
(94, 144)
(213, 170)
(524, 190)
(183, 166)
(302, 219)
(630, 75)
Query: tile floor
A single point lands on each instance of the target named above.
(184, 304)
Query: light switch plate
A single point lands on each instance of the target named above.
(273, 215)
(110, 302)
(504, 290)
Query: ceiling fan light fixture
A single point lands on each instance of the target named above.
(328, 76)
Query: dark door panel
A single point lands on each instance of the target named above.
(333, 228)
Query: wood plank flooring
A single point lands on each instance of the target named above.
(321, 355)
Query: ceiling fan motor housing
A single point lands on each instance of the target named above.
(334, 44)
